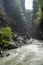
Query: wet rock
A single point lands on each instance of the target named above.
(15, 37)
(7, 54)
(18, 40)
(12, 46)
(19, 43)
(24, 41)
(1, 53)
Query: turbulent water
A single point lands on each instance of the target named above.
(27, 55)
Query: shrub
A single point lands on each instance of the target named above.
(5, 43)
(6, 32)
(5, 35)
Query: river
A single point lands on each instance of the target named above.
(26, 55)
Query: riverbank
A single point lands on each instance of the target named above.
(26, 55)
(16, 45)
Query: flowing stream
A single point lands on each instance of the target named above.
(26, 55)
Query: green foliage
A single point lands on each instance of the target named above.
(39, 12)
(5, 43)
(5, 35)
(40, 2)
(6, 32)
(39, 16)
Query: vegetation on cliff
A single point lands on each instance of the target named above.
(39, 13)
(5, 35)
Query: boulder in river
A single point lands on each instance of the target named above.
(7, 55)
(12, 45)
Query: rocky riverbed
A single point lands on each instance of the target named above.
(20, 42)
(30, 54)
